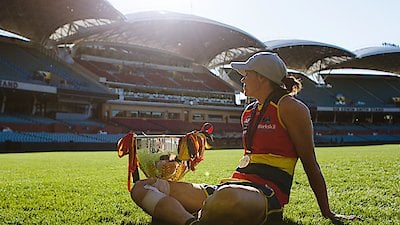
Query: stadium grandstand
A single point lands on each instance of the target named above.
(83, 79)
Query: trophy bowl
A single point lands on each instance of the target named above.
(167, 157)
(157, 156)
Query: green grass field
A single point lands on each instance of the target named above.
(90, 187)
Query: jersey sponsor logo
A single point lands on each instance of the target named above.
(266, 126)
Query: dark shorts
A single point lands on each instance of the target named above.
(274, 213)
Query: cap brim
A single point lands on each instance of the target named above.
(240, 67)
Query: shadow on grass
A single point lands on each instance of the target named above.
(285, 222)
(289, 222)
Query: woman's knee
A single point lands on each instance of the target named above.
(237, 204)
(220, 205)
(228, 198)
(138, 190)
(148, 193)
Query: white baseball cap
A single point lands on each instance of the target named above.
(267, 64)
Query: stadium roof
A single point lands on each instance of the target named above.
(385, 58)
(204, 41)
(201, 40)
(309, 56)
(37, 20)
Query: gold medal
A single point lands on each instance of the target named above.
(244, 161)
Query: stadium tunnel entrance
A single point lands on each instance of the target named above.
(25, 102)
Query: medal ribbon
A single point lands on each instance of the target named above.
(253, 125)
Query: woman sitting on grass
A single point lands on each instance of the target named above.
(277, 130)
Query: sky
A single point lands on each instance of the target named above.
(349, 24)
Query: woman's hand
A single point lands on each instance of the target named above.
(338, 218)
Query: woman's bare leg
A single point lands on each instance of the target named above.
(172, 202)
